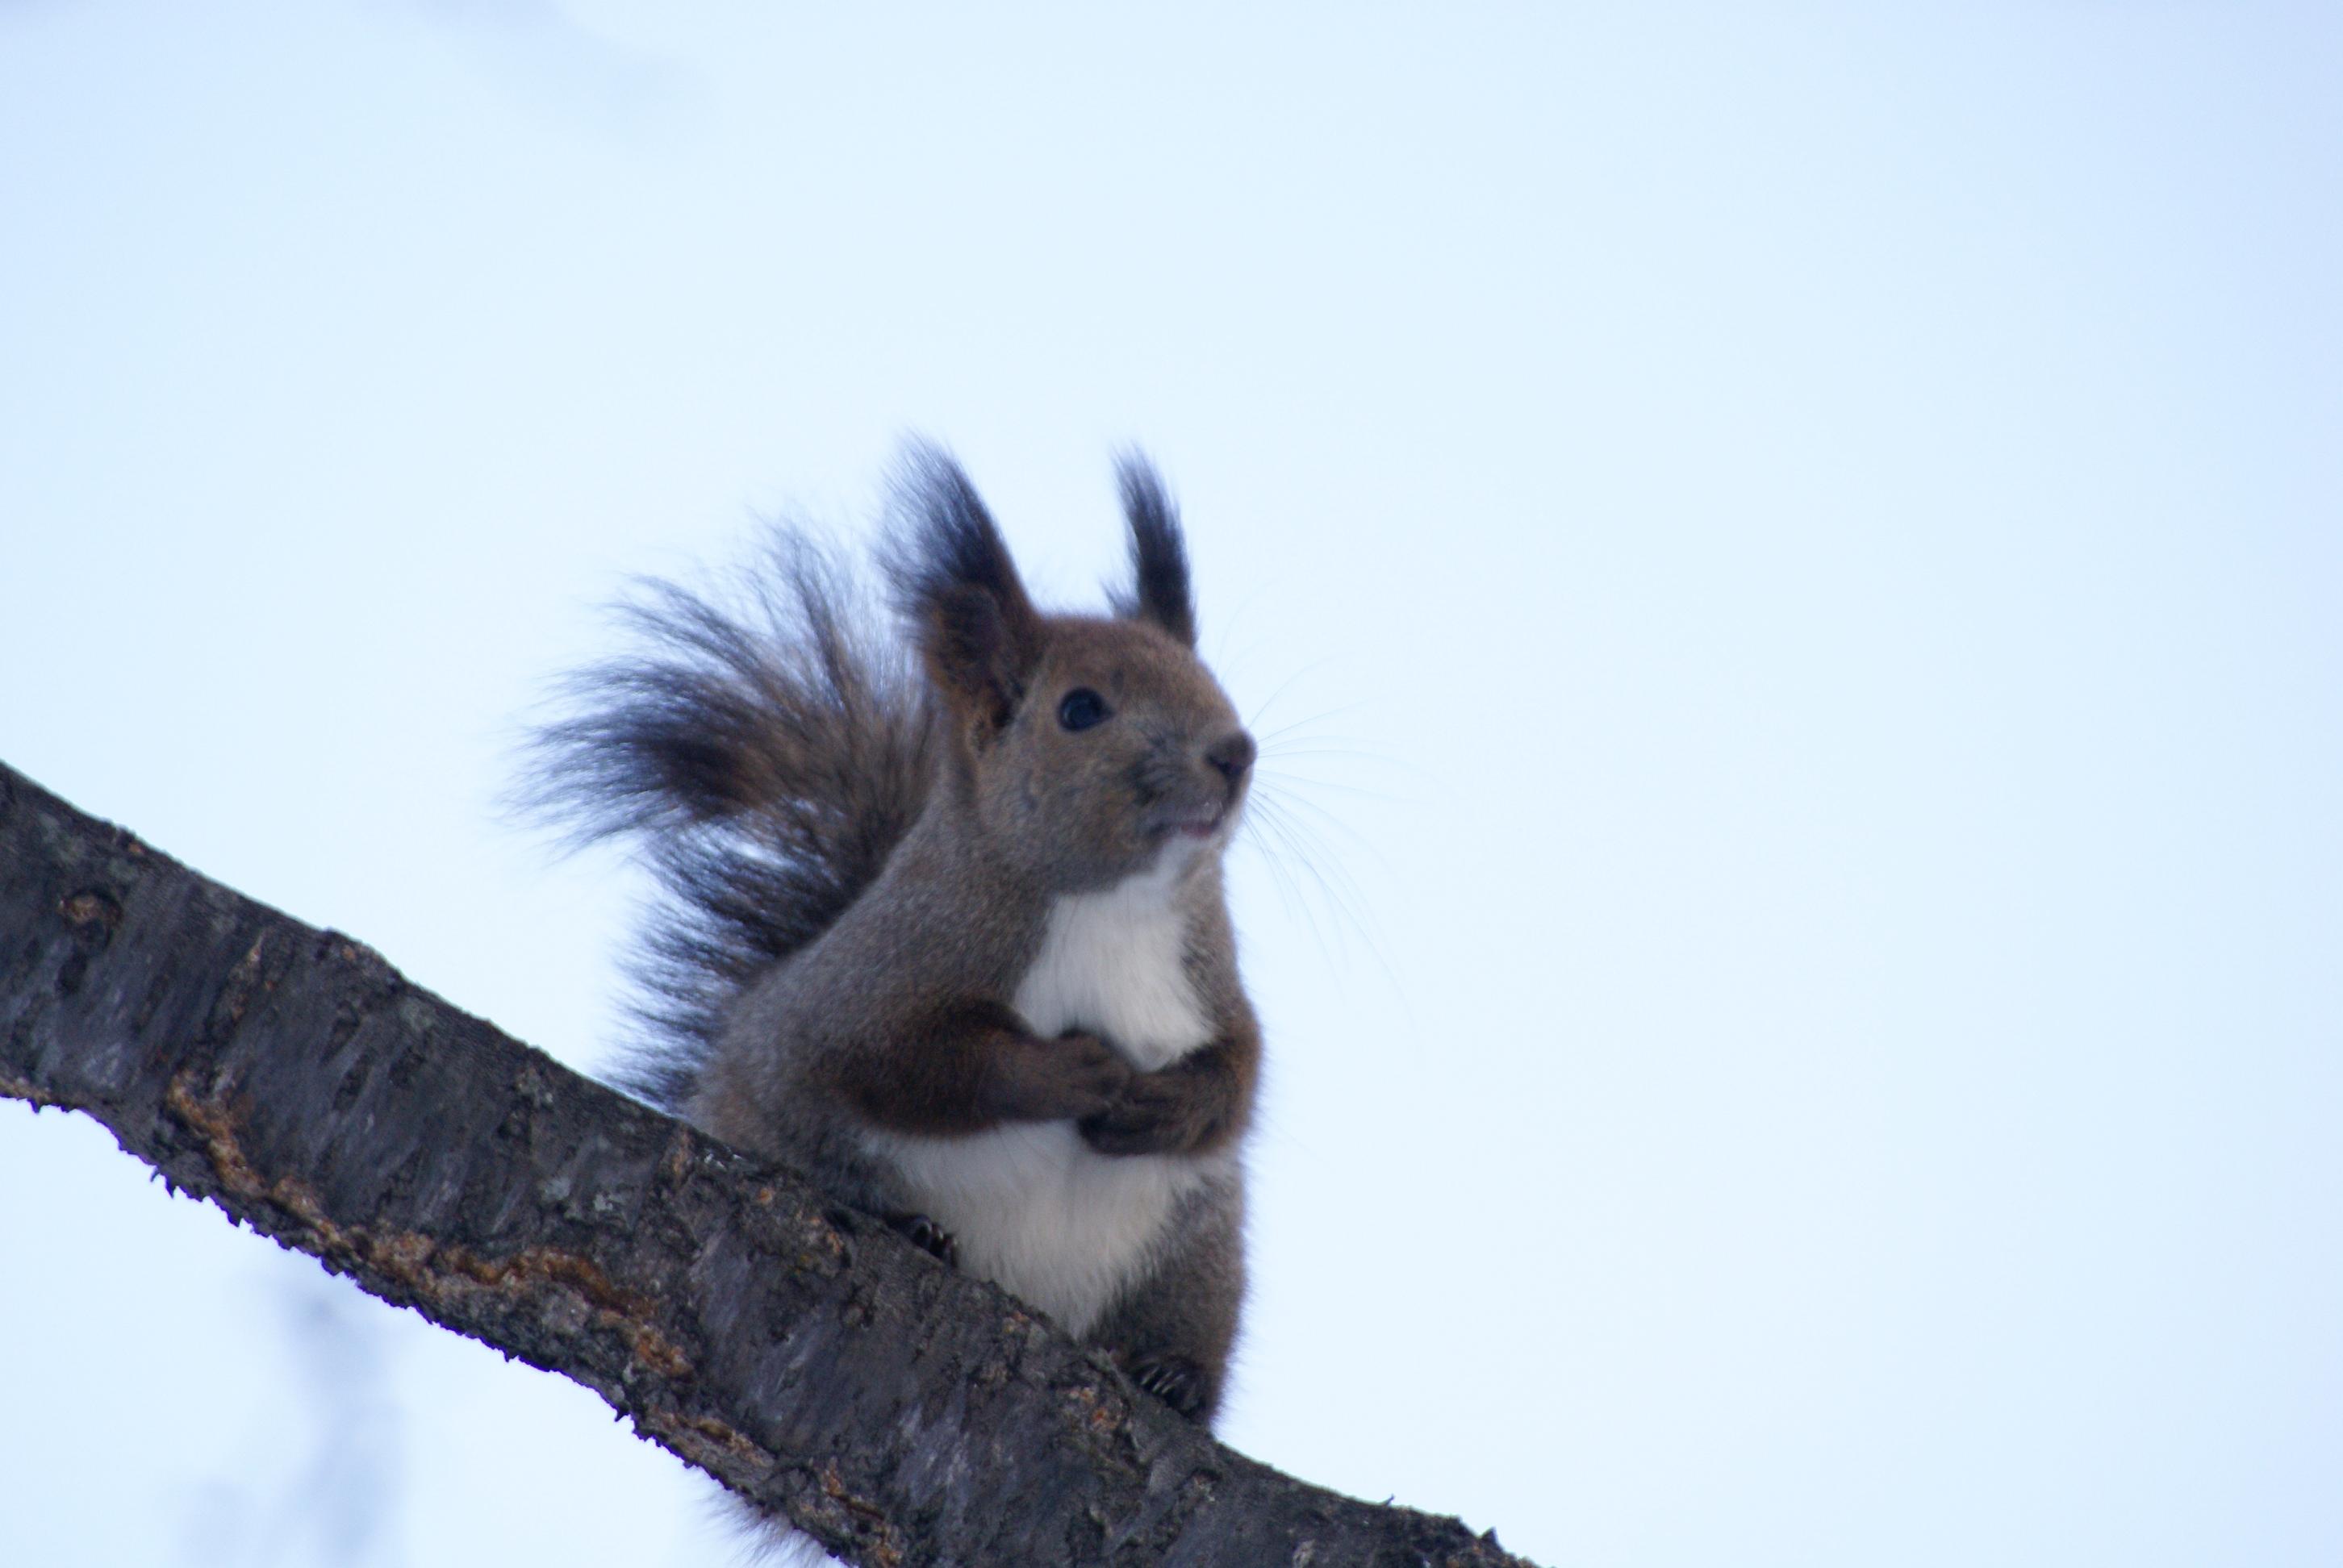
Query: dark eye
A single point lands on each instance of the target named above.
(1081, 707)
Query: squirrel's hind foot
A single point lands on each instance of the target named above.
(1173, 1379)
(928, 1236)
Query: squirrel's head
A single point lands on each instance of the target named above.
(1091, 748)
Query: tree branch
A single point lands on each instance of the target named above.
(793, 1348)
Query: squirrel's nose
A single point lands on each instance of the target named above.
(1231, 754)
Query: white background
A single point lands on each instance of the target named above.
(1800, 548)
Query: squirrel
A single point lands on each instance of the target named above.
(945, 926)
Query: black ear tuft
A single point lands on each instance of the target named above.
(1159, 588)
(954, 581)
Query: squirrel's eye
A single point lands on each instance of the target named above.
(1081, 707)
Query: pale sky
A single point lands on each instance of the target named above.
(1789, 556)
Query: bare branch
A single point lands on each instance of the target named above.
(795, 1350)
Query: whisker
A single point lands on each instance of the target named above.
(1337, 889)
(1295, 838)
(1253, 719)
(1288, 802)
(1324, 745)
(1230, 622)
(1362, 791)
(1269, 834)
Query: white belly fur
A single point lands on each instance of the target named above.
(1034, 1208)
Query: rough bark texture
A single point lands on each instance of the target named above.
(794, 1350)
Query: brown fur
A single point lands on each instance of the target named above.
(868, 860)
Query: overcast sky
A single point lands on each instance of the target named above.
(1788, 558)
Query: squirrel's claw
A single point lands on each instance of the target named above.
(928, 1236)
(1175, 1380)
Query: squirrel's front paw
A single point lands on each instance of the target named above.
(1061, 1079)
(1157, 1113)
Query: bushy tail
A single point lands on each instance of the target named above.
(766, 755)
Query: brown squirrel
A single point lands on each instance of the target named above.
(947, 932)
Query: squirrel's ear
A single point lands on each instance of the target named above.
(978, 633)
(1160, 589)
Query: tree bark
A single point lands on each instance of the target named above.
(795, 1350)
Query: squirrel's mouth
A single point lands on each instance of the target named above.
(1200, 822)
